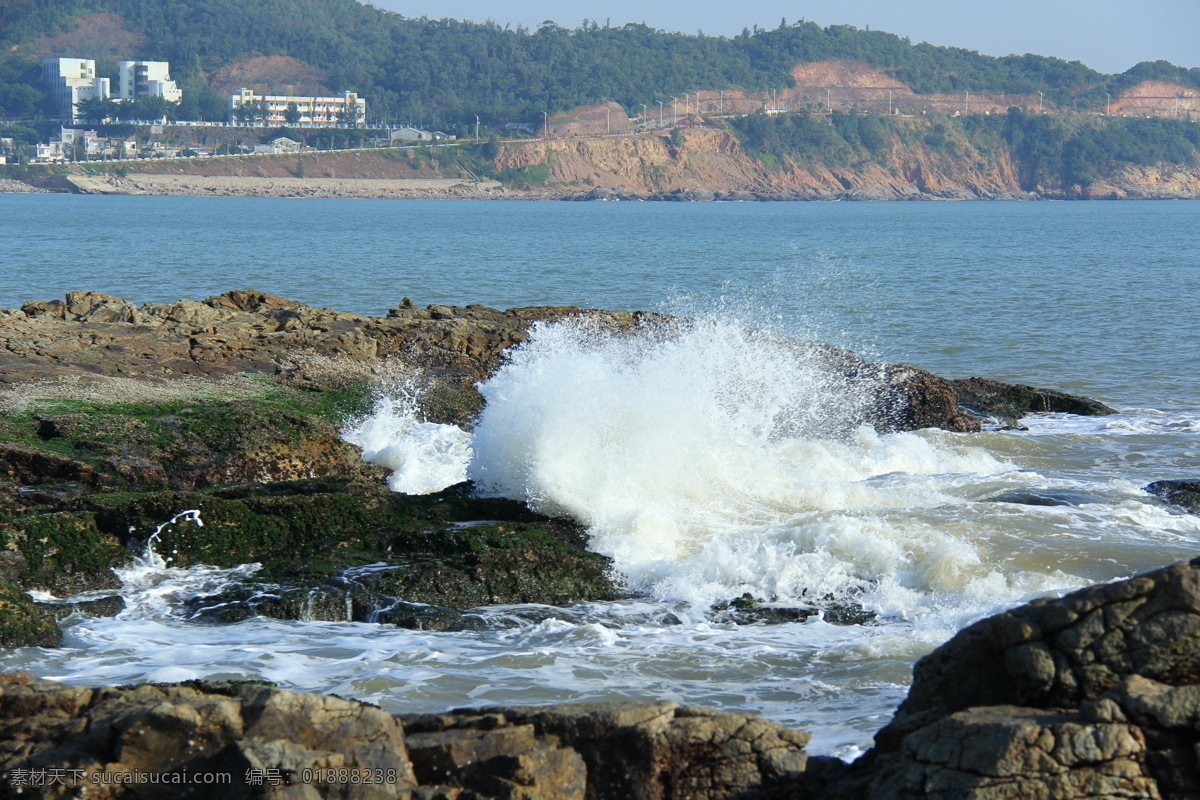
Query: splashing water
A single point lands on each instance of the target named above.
(715, 459)
(424, 456)
(709, 459)
(152, 587)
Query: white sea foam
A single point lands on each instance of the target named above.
(152, 588)
(714, 459)
(1130, 422)
(424, 456)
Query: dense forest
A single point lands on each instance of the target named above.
(445, 71)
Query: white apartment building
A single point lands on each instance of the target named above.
(63, 146)
(146, 78)
(70, 80)
(317, 110)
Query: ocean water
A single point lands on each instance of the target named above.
(706, 463)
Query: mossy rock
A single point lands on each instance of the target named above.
(22, 623)
(147, 447)
(429, 577)
(499, 563)
(307, 533)
(62, 552)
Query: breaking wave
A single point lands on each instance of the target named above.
(709, 459)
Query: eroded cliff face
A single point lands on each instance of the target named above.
(1133, 182)
(710, 160)
(704, 163)
(642, 164)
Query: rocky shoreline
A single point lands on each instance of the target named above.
(449, 189)
(115, 416)
(1088, 696)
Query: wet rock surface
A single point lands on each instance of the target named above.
(23, 623)
(330, 549)
(1009, 402)
(1185, 494)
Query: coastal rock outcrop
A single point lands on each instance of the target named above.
(91, 337)
(443, 552)
(252, 740)
(1096, 694)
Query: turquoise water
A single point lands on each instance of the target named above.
(682, 475)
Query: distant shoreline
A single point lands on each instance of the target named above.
(1150, 187)
(162, 185)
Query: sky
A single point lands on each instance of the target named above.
(1107, 35)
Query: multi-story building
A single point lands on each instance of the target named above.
(316, 110)
(70, 80)
(69, 145)
(146, 78)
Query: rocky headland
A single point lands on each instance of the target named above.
(116, 416)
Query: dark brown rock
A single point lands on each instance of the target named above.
(1019, 754)
(84, 733)
(631, 751)
(1096, 694)
(1012, 401)
(1060, 653)
(918, 399)
(636, 751)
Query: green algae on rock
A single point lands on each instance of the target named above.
(22, 623)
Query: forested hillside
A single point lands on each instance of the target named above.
(447, 71)
(1049, 152)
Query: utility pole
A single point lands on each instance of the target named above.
(889, 102)
(1041, 96)
(966, 102)
(476, 126)
(660, 113)
(1107, 104)
(674, 109)
(545, 125)
(643, 105)
(722, 101)
(608, 111)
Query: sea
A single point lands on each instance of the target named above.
(708, 463)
